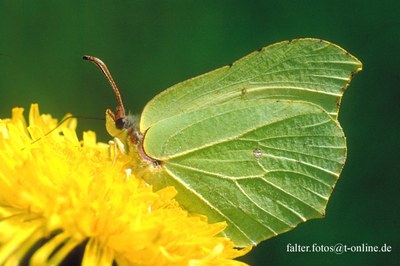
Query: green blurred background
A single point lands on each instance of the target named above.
(151, 45)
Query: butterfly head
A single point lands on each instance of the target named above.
(118, 124)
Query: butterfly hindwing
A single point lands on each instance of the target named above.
(263, 166)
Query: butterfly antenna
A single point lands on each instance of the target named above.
(62, 122)
(49, 132)
(107, 74)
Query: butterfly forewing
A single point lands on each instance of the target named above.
(311, 70)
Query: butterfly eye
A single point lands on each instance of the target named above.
(120, 123)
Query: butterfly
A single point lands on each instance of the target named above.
(256, 143)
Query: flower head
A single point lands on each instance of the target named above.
(59, 193)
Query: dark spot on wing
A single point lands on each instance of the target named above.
(243, 93)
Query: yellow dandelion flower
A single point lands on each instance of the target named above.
(59, 194)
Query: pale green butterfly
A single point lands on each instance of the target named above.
(256, 144)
